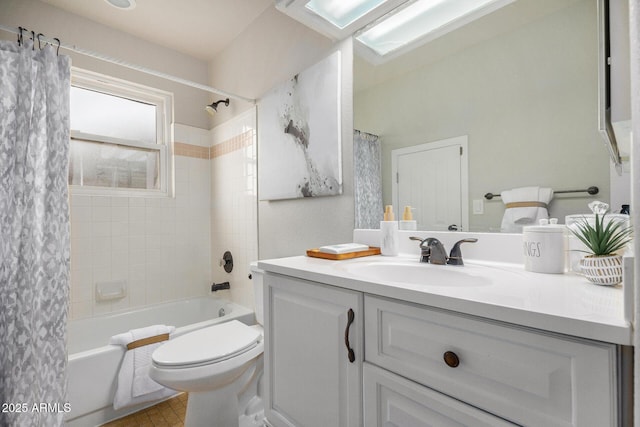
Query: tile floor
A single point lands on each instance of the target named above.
(169, 413)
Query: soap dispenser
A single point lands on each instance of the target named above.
(407, 222)
(389, 240)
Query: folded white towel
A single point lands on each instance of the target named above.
(134, 384)
(516, 217)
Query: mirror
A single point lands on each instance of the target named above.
(520, 83)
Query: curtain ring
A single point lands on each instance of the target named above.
(21, 36)
(38, 37)
(58, 49)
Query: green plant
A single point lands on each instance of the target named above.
(602, 239)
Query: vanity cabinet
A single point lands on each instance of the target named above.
(524, 376)
(311, 379)
(415, 365)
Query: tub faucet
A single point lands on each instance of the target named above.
(220, 286)
(432, 251)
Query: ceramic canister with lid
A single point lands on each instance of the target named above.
(545, 248)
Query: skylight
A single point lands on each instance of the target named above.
(423, 20)
(342, 12)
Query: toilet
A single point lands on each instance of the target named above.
(220, 367)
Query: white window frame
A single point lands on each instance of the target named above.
(164, 136)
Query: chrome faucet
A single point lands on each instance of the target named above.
(432, 251)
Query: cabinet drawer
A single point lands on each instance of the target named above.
(390, 400)
(527, 377)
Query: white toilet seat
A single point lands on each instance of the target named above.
(207, 346)
(202, 376)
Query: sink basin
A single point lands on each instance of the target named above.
(417, 273)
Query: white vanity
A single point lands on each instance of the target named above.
(485, 344)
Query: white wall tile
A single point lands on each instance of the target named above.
(119, 213)
(136, 201)
(119, 229)
(81, 309)
(233, 207)
(100, 229)
(119, 201)
(158, 245)
(101, 201)
(79, 200)
(101, 244)
(136, 213)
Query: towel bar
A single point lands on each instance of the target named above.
(591, 190)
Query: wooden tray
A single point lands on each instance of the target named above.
(315, 253)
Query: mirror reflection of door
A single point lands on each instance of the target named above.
(432, 179)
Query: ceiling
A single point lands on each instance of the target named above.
(199, 28)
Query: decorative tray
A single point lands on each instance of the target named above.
(315, 253)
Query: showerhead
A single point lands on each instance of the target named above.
(213, 107)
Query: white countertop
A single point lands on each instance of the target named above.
(562, 303)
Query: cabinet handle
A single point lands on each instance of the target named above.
(350, 318)
(451, 359)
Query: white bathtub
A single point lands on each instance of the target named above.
(94, 364)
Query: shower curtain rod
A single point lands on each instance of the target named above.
(106, 58)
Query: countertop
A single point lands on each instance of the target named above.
(561, 303)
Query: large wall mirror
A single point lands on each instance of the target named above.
(521, 84)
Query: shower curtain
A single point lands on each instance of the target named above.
(34, 234)
(367, 180)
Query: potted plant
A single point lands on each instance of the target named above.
(604, 239)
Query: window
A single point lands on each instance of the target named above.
(120, 137)
(421, 21)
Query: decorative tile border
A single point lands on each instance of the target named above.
(189, 150)
(238, 142)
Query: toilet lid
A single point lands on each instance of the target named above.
(207, 345)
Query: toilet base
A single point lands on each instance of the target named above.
(238, 404)
(212, 408)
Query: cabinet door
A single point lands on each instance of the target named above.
(309, 379)
(390, 400)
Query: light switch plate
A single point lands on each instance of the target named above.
(478, 206)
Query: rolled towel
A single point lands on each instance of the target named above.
(524, 206)
(134, 384)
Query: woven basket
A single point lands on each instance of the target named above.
(602, 270)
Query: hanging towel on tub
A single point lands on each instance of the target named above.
(524, 206)
(134, 384)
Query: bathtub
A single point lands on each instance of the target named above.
(94, 364)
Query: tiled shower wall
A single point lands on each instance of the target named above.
(161, 247)
(234, 203)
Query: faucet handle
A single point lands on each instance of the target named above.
(425, 251)
(455, 256)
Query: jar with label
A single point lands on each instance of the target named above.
(545, 248)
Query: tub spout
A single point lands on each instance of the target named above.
(220, 286)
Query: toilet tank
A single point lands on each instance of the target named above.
(257, 276)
